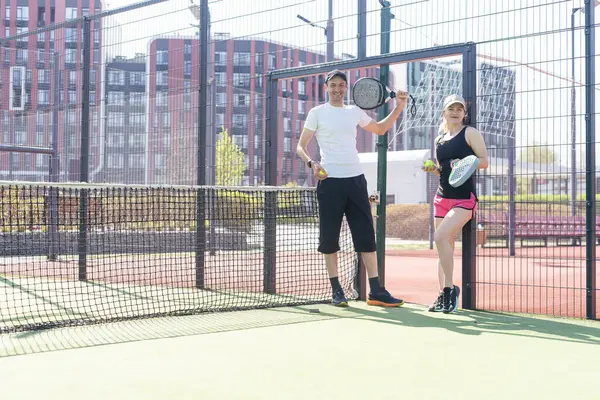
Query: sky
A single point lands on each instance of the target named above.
(532, 36)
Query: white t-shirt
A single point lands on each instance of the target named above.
(335, 130)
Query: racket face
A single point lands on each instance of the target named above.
(463, 170)
(368, 93)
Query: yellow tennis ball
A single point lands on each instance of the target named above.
(428, 163)
(321, 173)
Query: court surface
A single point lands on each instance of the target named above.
(296, 353)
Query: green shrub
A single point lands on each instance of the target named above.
(238, 210)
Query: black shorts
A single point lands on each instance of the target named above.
(349, 196)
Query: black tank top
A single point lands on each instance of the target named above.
(446, 151)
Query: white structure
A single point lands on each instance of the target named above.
(406, 182)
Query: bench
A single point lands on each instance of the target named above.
(537, 227)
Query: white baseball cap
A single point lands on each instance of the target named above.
(453, 99)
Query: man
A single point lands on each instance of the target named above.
(342, 187)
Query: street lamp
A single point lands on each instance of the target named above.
(328, 30)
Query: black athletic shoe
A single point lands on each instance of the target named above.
(383, 298)
(339, 299)
(450, 299)
(438, 305)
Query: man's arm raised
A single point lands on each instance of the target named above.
(381, 127)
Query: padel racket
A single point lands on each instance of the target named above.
(462, 170)
(370, 93)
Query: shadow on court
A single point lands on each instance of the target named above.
(475, 323)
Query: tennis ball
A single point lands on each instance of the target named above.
(321, 173)
(428, 163)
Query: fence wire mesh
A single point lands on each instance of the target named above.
(143, 123)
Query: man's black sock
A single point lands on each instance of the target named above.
(335, 284)
(374, 284)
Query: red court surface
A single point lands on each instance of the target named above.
(549, 281)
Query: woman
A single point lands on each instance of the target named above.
(453, 207)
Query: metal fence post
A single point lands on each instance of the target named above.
(382, 145)
(469, 232)
(54, 164)
(590, 160)
(84, 159)
(270, 210)
(203, 47)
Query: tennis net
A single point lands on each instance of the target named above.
(74, 254)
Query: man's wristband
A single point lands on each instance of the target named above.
(309, 163)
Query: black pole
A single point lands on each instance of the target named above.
(512, 188)
(360, 284)
(54, 164)
(203, 48)
(84, 161)
(590, 160)
(469, 234)
(573, 119)
(271, 178)
(382, 144)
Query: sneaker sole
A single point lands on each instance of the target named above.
(382, 304)
(341, 304)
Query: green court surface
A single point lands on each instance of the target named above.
(298, 353)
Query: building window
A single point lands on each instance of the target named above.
(240, 120)
(162, 57)
(70, 13)
(241, 59)
(116, 77)
(220, 58)
(43, 97)
(22, 13)
(221, 78)
(242, 99)
(301, 87)
(70, 56)
(116, 98)
(115, 119)
(136, 78)
(162, 78)
(241, 79)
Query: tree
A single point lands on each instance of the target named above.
(230, 161)
(538, 154)
(182, 159)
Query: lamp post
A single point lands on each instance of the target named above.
(328, 30)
